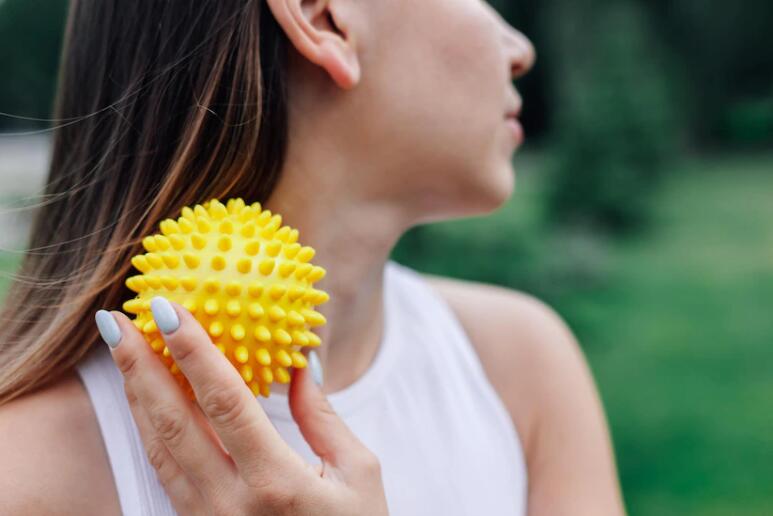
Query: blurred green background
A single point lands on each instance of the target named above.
(643, 214)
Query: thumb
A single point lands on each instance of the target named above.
(322, 428)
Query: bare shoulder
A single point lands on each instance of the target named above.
(534, 362)
(54, 460)
(520, 341)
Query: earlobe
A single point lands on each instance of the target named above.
(315, 32)
(341, 63)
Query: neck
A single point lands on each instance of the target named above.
(353, 239)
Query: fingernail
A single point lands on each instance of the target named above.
(164, 315)
(108, 328)
(316, 367)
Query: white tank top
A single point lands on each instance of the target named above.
(425, 407)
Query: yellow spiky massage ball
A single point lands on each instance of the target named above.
(244, 277)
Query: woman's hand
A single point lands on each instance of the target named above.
(222, 455)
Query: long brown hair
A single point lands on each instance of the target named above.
(160, 104)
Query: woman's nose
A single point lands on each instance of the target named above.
(520, 51)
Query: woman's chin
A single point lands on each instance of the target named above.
(498, 190)
(480, 193)
(483, 198)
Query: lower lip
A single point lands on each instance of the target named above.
(516, 129)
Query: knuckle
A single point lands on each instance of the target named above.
(169, 424)
(157, 455)
(326, 409)
(279, 499)
(130, 396)
(127, 363)
(320, 410)
(184, 345)
(222, 405)
(258, 483)
(370, 463)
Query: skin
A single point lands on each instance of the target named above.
(414, 131)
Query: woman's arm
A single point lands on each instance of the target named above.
(537, 367)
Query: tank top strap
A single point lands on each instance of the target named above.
(457, 356)
(139, 491)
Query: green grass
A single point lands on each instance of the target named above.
(677, 325)
(681, 341)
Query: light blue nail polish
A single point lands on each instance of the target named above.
(316, 367)
(108, 328)
(164, 315)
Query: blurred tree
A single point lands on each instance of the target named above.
(726, 53)
(30, 39)
(615, 123)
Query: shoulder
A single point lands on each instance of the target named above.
(537, 367)
(53, 457)
(522, 343)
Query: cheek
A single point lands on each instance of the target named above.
(468, 98)
(447, 79)
(474, 91)
(439, 81)
(470, 81)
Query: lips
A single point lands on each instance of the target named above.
(514, 125)
(515, 129)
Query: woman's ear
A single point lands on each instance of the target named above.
(318, 30)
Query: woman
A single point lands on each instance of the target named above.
(354, 120)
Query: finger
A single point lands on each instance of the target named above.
(322, 428)
(174, 480)
(236, 416)
(169, 410)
